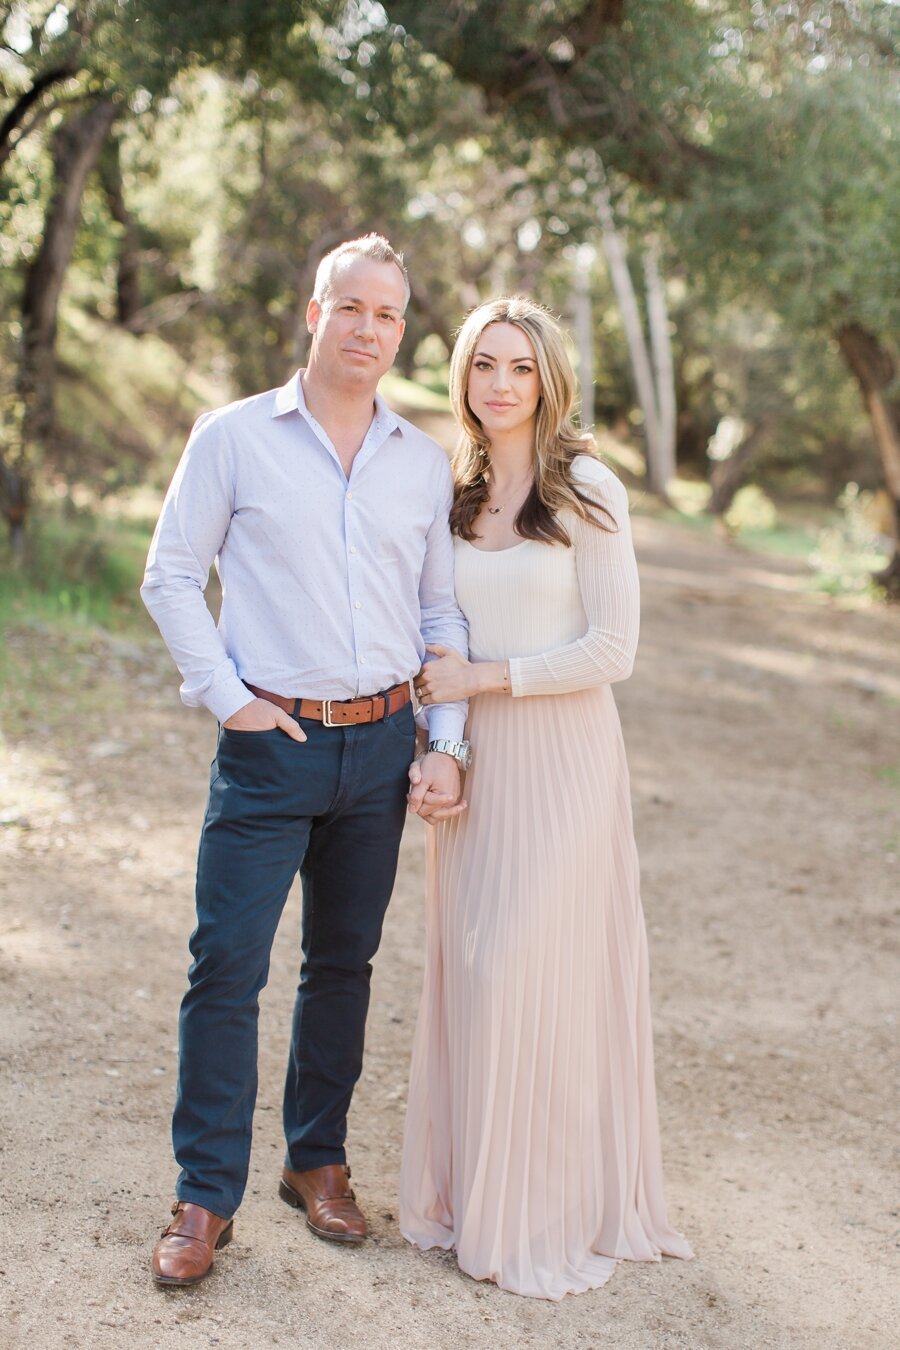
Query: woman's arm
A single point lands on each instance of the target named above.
(608, 582)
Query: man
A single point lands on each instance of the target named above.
(327, 516)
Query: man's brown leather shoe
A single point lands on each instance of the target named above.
(184, 1253)
(325, 1194)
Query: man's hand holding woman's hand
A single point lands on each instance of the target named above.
(261, 715)
(434, 792)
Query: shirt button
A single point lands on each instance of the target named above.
(349, 496)
(352, 548)
(362, 660)
(357, 605)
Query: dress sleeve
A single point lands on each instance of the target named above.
(608, 582)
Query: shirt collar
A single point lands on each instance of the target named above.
(290, 398)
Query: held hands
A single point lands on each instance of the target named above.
(261, 715)
(435, 788)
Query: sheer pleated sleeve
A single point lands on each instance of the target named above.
(608, 582)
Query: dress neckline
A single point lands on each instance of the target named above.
(489, 551)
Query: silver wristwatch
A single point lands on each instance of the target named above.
(461, 751)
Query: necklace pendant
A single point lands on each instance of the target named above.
(494, 510)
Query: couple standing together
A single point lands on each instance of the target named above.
(352, 565)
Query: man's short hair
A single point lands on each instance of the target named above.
(373, 246)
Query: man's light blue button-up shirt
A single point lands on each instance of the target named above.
(331, 587)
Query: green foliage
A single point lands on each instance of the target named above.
(126, 405)
(740, 359)
(619, 78)
(801, 204)
(751, 510)
(79, 567)
(849, 548)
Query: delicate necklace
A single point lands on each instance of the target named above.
(495, 510)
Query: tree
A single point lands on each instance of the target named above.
(77, 67)
(769, 131)
(614, 76)
(805, 222)
(651, 360)
(76, 147)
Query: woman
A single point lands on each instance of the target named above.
(532, 1140)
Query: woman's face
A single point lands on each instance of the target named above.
(504, 387)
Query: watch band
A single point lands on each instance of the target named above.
(461, 751)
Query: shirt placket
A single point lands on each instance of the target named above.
(354, 521)
(356, 584)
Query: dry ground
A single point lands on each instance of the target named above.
(764, 736)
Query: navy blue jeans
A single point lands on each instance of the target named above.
(332, 807)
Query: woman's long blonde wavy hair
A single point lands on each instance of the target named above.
(557, 440)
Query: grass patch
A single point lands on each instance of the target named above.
(786, 541)
(699, 524)
(70, 615)
(78, 567)
(840, 545)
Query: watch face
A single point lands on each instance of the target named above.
(465, 759)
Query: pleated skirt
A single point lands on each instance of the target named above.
(532, 1143)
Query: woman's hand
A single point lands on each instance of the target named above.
(452, 677)
(446, 680)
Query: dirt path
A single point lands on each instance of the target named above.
(764, 736)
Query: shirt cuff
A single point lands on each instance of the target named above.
(228, 698)
(446, 724)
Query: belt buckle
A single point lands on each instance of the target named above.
(326, 713)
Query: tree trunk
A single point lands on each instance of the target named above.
(875, 369)
(728, 475)
(584, 331)
(76, 148)
(663, 364)
(15, 118)
(15, 497)
(614, 248)
(128, 288)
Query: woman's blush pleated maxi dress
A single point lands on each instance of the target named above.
(532, 1141)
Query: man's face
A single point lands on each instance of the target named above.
(357, 329)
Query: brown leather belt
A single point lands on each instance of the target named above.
(341, 712)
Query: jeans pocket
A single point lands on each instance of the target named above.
(403, 724)
(248, 747)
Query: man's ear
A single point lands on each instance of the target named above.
(313, 315)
